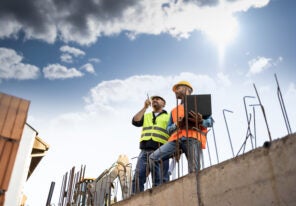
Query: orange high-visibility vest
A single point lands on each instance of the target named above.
(200, 136)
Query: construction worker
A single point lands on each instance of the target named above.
(154, 134)
(182, 140)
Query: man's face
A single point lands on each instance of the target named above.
(157, 103)
(181, 91)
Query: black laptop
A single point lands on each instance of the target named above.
(200, 103)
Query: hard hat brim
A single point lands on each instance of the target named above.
(182, 83)
(158, 97)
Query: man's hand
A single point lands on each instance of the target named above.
(195, 117)
(147, 103)
(181, 122)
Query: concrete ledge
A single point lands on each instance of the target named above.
(265, 176)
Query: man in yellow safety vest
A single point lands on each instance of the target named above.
(154, 134)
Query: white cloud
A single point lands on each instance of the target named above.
(72, 50)
(9, 27)
(57, 71)
(290, 95)
(11, 66)
(89, 68)
(85, 21)
(116, 94)
(258, 65)
(224, 79)
(244, 5)
(66, 58)
(69, 53)
(95, 60)
(292, 89)
(279, 59)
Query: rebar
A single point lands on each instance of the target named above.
(249, 133)
(247, 136)
(225, 110)
(50, 194)
(246, 110)
(63, 190)
(283, 108)
(254, 115)
(263, 111)
(208, 146)
(215, 142)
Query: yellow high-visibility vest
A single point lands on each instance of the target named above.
(157, 132)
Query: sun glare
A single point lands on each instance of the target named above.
(222, 30)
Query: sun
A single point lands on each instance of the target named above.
(222, 29)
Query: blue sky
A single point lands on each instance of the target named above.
(87, 67)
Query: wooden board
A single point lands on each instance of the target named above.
(13, 116)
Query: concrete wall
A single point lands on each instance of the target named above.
(265, 176)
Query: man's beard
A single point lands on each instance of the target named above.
(156, 106)
(180, 95)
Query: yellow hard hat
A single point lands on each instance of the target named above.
(183, 83)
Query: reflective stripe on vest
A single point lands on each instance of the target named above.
(200, 136)
(156, 132)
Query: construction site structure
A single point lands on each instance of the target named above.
(21, 149)
(80, 191)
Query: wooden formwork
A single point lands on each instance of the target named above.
(13, 115)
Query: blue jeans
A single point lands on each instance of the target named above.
(191, 148)
(142, 171)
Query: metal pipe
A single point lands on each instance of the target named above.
(249, 133)
(177, 142)
(215, 142)
(283, 108)
(244, 98)
(254, 127)
(254, 114)
(63, 190)
(190, 153)
(50, 194)
(209, 153)
(225, 110)
(247, 136)
(263, 111)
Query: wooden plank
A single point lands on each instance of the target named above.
(4, 105)
(13, 115)
(13, 151)
(20, 121)
(2, 141)
(2, 199)
(10, 119)
(4, 158)
(39, 144)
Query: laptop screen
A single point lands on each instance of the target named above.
(200, 103)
